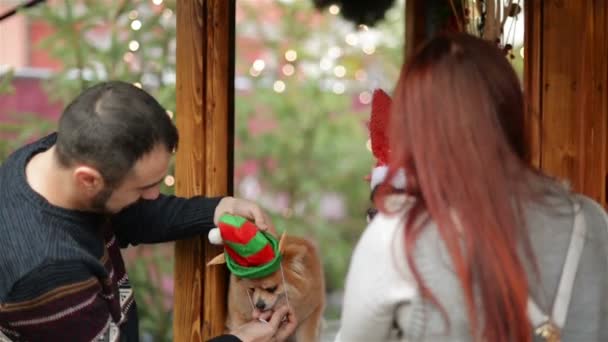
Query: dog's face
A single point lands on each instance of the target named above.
(265, 293)
(271, 291)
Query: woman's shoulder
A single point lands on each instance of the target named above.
(595, 214)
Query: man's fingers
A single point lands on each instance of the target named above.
(256, 314)
(277, 316)
(259, 218)
(288, 326)
(266, 315)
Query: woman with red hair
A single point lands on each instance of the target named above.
(490, 249)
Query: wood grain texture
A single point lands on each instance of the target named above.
(189, 173)
(205, 117)
(574, 115)
(532, 79)
(592, 102)
(415, 26)
(219, 134)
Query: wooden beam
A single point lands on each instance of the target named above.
(532, 79)
(415, 25)
(566, 61)
(219, 124)
(205, 117)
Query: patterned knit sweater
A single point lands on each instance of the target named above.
(62, 276)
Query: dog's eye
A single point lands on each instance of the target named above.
(271, 289)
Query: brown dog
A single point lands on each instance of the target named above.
(304, 289)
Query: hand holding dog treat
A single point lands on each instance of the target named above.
(268, 276)
(288, 325)
(274, 328)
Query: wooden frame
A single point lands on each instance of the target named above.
(566, 76)
(204, 162)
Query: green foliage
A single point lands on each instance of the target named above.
(6, 77)
(315, 147)
(146, 273)
(20, 129)
(88, 59)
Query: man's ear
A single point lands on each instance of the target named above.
(217, 260)
(88, 179)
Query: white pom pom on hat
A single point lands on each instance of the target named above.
(379, 174)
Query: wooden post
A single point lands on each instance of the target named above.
(566, 75)
(204, 162)
(415, 25)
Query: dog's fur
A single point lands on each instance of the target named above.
(304, 285)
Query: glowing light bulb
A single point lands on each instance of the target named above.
(339, 88)
(134, 45)
(365, 97)
(288, 69)
(291, 55)
(339, 71)
(136, 25)
(279, 86)
(169, 180)
(259, 65)
(352, 39)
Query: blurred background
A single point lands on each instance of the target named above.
(303, 85)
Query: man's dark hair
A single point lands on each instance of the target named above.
(110, 126)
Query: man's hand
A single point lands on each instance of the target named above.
(246, 209)
(288, 325)
(281, 325)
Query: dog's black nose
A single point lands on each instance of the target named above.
(260, 304)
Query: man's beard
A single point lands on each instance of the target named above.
(101, 199)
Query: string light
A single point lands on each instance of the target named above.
(521, 52)
(291, 55)
(133, 15)
(133, 45)
(279, 86)
(137, 84)
(288, 69)
(170, 114)
(325, 64)
(157, 2)
(167, 13)
(369, 49)
(338, 88)
(334, 52)
(339, 71)
(351, 39)
(128, 57)
(360, 75)
(169, 180)
(334, 9)
(259, 65)
(136, 25)
(365, 97)
(253, 72)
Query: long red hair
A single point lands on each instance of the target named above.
(457, 130)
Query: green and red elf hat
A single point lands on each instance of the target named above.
(248, 251)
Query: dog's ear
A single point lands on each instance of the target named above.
(282, 243)
(217, 260)
(294, 256)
